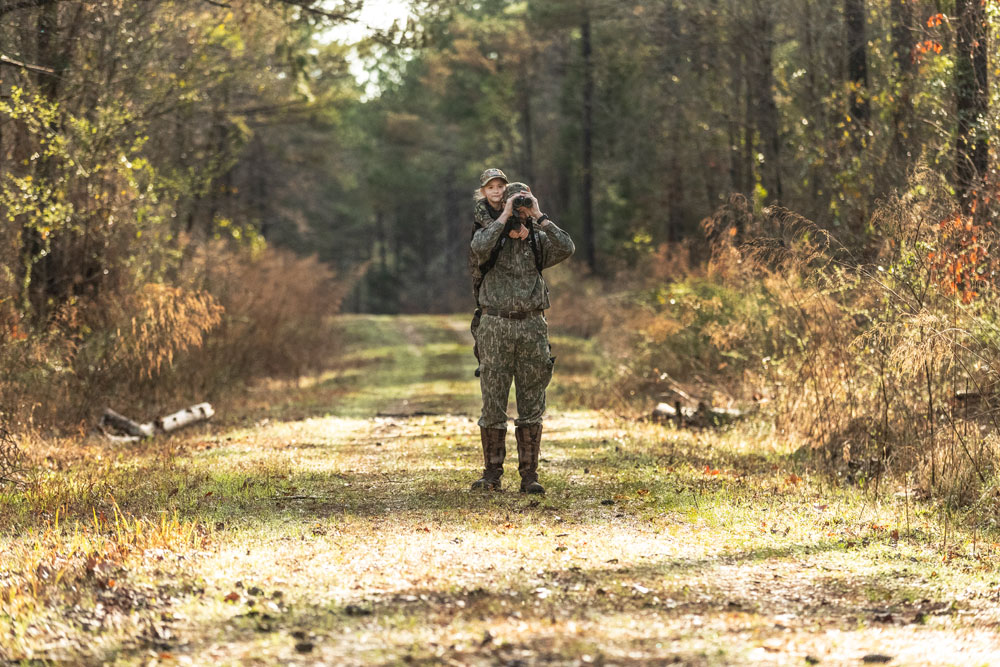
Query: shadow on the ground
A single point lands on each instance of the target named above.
(427, 476)
(731, 596)
(415, 471)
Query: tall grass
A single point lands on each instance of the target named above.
(235, 314)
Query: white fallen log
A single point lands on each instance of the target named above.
(194, 414)
(112, 423)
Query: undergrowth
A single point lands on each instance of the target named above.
(884, 361)
(108, 297)
(233, 315)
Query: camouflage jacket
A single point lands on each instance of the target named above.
(514, 282)
(484, 213)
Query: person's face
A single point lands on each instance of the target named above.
(493, 191)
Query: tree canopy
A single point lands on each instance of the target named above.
(632, 121)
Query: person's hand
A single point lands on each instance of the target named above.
(520, 233)
(508, 208)
(536, 212)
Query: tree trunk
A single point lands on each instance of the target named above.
(765, 110)
(901, 17)
(45, 42)
(749, 171)
(456, 228)
(857, 68)
(528, 141)
(814, 104)
(675, 186)
(590, 252)
(972, 101)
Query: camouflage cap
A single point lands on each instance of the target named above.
(490, 174)
(514, 187)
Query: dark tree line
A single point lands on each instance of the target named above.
(635, 120)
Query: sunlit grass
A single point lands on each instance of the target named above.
(308, 519)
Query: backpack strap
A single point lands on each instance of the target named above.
(536, 245)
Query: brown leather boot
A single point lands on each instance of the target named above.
(494, 451)
(529, 442)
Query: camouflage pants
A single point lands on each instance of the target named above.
(518, 351)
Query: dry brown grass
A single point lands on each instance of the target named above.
(234, 314)
(885, 360)
(11, 457)
(277, 314)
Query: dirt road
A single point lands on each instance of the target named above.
(338, 529)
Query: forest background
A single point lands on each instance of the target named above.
(785, 204)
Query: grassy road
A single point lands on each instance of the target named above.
(330, 523)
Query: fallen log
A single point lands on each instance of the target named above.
(664, 412)
(702, 416)
(120, 422)
(113, 424)
(193, 415)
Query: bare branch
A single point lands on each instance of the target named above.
(10, 62)
(307, 6)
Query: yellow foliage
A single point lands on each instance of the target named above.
(166, 321)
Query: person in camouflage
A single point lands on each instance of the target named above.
(513, 334)
(489, 203)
